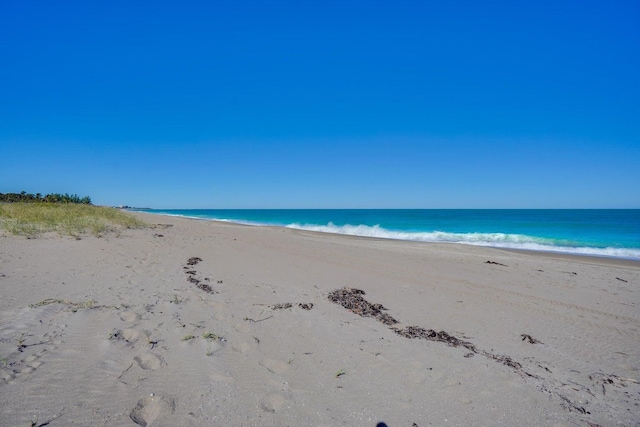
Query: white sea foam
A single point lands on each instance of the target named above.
(499, 240)
(206, 218)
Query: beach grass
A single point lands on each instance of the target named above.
(33, 219)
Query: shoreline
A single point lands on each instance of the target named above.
(215, 323)
(620, 261)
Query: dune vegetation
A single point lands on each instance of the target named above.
(73, 219)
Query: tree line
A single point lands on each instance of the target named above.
(25, 197)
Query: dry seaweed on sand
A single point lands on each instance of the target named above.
(530, 339)
(205, 287)
(602, 379)
(431, 335)
(192, 273)
(507, 361)
(200, 285)
(442, 336)
(194, 260)
(281, 306)
(285, 305)
(351, 299)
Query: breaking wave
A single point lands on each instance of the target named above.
(498, 240)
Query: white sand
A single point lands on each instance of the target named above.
(125, 361)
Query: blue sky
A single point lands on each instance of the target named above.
(310, 104)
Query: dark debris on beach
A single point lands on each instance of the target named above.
(431, 335)
(352, 300)
(194, 260)
(530, 339)
(191, 275)
(281, 306)
(286, 305)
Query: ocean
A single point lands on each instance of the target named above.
(597, 232)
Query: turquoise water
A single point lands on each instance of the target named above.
(599, 232)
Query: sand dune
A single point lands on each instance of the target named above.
(204, 323)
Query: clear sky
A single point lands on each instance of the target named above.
(312, 104)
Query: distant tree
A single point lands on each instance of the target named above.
(25, 197)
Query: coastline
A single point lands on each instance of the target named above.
(587, 259)
(589, 232)
(620, 261)
(270, 364)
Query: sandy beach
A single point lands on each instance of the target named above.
(203, 323)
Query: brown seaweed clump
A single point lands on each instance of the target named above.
(431, 335)
(351, 299)
(191, 276)
(281, 306)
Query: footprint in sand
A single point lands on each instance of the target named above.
(150, 408)
(148, 361)
(7, 376)
(133, 335)
(275, 366)
(243, 347)
(129, 316)
(273, 402)
(244, 327)
(28, 364)
(222, 378)
(32, 360)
